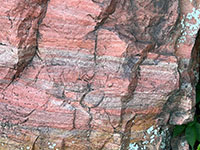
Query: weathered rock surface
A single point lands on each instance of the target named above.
(180, 143)
(96, 74)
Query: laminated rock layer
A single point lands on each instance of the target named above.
(96, 74)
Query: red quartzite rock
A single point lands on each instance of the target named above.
(96, 74)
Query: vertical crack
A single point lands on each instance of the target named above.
(103, 16)
(34, 143)
(87, 109)
(131, 88)
(95, 48)
(127, 134)
(63, 146)
(74, 120)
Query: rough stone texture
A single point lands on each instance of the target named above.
(96, 74)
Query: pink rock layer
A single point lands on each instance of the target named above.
(103, 74)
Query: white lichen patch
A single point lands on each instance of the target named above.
(183, 144)
(150, 137)
(190, 24)
(28, 147)
(164, 135)
(51, 145)
(150, 130)
(133, 146)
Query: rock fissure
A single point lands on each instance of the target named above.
(104, 15)
(130, 96)
(34, 143)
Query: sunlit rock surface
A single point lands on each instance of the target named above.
(96, 74)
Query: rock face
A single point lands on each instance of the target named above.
(96, 74)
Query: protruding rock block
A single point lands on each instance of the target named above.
(96, 74)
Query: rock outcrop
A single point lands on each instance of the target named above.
(96, 74)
